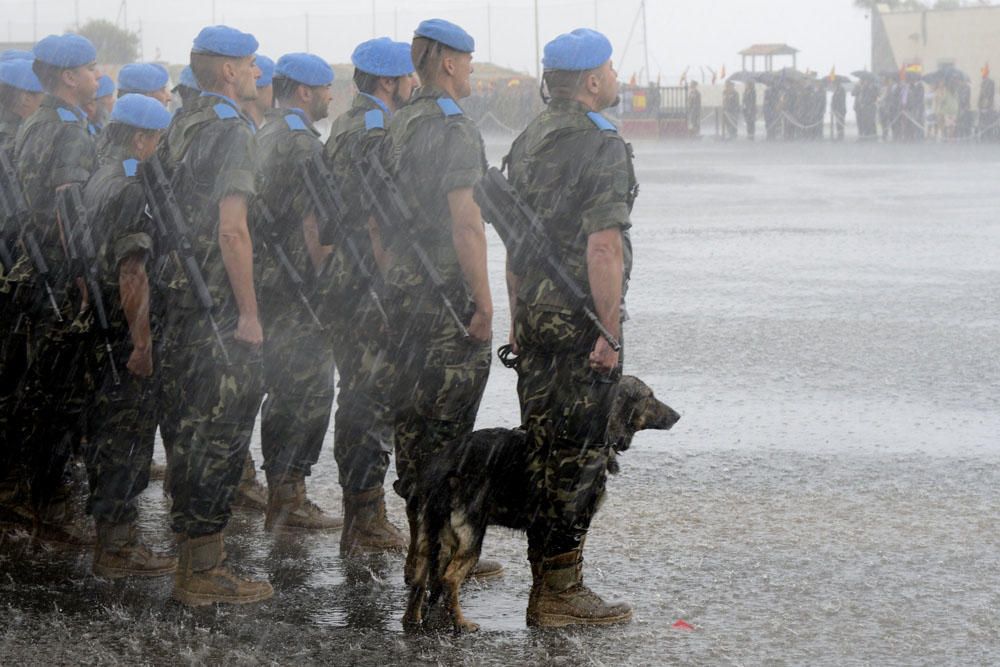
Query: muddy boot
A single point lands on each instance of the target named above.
(535, 560)
(61, 525)
(250, 494)
(203, 578)
(485, 569)
(366, 527)
(120, 552)
(562, 599)
(288, 508)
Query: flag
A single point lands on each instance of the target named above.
(833, 73)
(986, 71)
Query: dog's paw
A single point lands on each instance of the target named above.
(465, 625)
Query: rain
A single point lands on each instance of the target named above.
(822, 312)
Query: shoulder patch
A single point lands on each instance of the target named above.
(449, 106)
(225, 111)
(295, 123)
(601, 122)
(131, 167)
(374, 120)
(67, 116)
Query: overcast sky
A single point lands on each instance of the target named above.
(681, 33)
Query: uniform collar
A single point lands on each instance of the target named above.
(379, 103)
(228, 100)
(301, 114)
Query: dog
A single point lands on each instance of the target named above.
(481, 481)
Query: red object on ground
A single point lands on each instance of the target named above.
(682, 625)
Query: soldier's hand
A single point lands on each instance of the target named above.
(603, 359)
(140, 362)
(249, 331)
(481, 327)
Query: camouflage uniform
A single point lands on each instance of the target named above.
(363, 433)
(207, 406)
(432, 149)
(298, 363)
(121, 420)
(54, 147)
(578, 177)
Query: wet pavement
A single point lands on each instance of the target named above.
(826, 317)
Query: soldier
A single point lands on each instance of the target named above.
(54, 148)
(187, 86)
(363, 431)
(298, 362)
(987, 107)
(750, 109)
(121, 419)
(838, 105)
(436, 155)
(20, 94)
(147, 79)
(694, 109)
(211, 392)
(258, 107)
(571, 166)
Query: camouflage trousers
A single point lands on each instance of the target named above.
(121, 428)
(439, 382)
(50, 407)
(363, 424)
(299, 381)
(14, 337)
(564, 409)
(208, 407)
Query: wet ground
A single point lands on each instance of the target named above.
(826, 317)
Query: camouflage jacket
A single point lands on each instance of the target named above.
(354, 132)
(575, 171)
(9, 124)
(54, 147)
(208, 153)
(287, 138)
(431, 149)
(116, 205)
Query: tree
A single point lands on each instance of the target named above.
(114, 45)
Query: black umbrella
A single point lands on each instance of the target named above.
(742, 77)
(946, 73)
(863, 75)
(836, 78)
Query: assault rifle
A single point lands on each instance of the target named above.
(268, 228)
(395, 218)
(330, 208)
(527, 240)
(171, 229)
(83, 258)
(15, 221)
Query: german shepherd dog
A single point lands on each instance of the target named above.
(482, 481)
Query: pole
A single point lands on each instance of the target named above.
(645, 41)
(538, 57)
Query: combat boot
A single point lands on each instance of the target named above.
(250, 494)
(367, 529)
(562, 599)
(485, 569)
(203, 578)
(59, 524)
(288, 508)
(120, 552)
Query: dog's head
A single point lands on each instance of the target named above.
(635, 408)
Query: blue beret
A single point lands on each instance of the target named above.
(140, 111)
(18, 74)
(142, 78)
(221, 40)
(579, 50)
(305, 68)
(105, 86)
(266, 66)
(65, 51)
(16, 54)
(383, 57)
(187, 79)
(447, 33)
